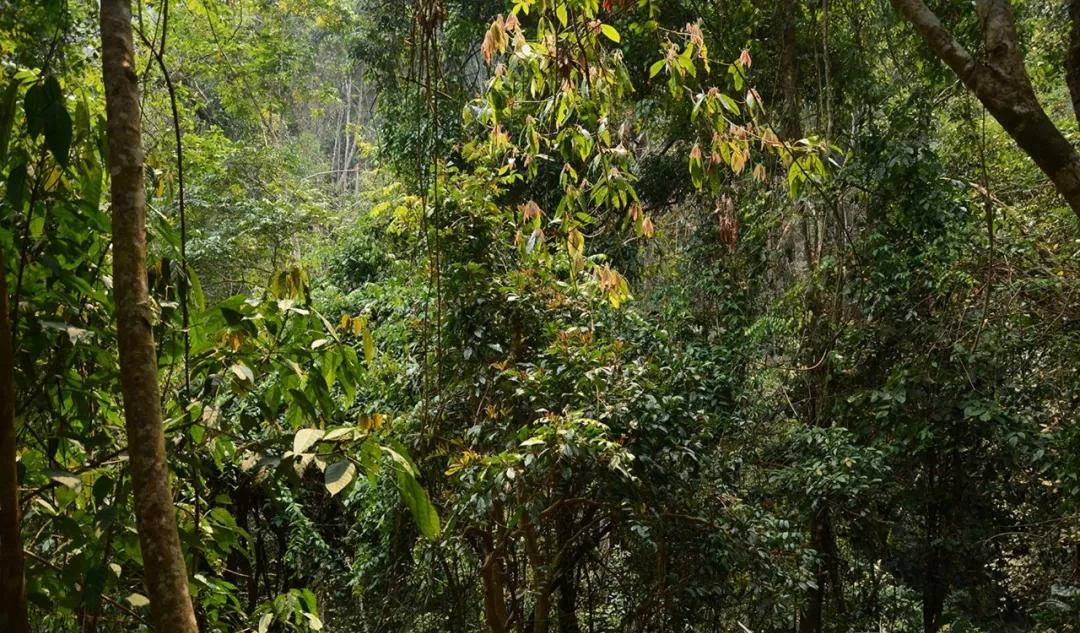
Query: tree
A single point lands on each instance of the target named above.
(1072, 62)
(1002, 84)
(166, 573)
(13, 616)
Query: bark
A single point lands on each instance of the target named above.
(789, 72)
(566, 574)
(934, 565)
(165, 571)
(826, 575)
(13, 615)
(491, 574)
(811, 619)
(1072, 62)
(568, 622)
(821, 537)
(542, 607)
(1001, 83)
(933, 606)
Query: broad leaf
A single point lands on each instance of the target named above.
(338, 475)
(419, 504)
(305, 438)
(610, 32)
(264, 622)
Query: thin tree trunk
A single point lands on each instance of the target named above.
(933, 606)
(165, 571)
(566, 573)
(541, 583)
(494, 602)
(1003, 86)
(821, 537)
(13, 616)
(788, 11)
(346, 158)
(1072, 62)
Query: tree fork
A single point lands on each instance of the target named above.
(1002, 84)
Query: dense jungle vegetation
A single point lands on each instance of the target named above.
(539, 316)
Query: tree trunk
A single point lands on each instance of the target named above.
(787, 12)
(813, 609)
(934, 567)
(1003, 86)
(1072, 62)
(13, 616)
(491, 574)
(541, 584)
(165, 572)
(566, 573)
(933, 605)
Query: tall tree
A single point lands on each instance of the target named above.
(1072, 62)
(166, 573)
(1002, 84)
(13, 616)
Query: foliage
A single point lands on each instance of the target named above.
(553, 324)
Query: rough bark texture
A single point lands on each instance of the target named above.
(1001, 83)
(1072, 62)
(165, 571)
(13, 616)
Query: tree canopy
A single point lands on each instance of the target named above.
(539, 316)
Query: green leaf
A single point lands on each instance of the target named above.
(304, 403)
(82, 119)
(7, 117)
(795, 178)
(688, 65)
(400, 459)
(264, 622)
(16, 186)
(657, 66)
(305, 438)
(370, 458)
(736, 76)
(58, 132)
(562, 112)
(369, 346)
(560, 12)
(338, 475)
(34, 103)
(46, 112)
(232, 317)
(610, 32)
(419, 504)
(729, 103)
(314, 623)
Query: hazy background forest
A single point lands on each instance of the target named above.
(539, 316)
